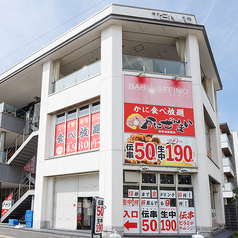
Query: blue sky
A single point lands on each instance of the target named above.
(27, 25)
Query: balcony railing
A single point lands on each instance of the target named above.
(228, 187)
(78, 76)
(13, 111)
(153, 65)
(3, 157)
(225, 145)
(227, 167)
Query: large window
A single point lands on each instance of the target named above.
(78, 130)
(159, 203)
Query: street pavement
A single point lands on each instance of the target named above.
(7, 231)
(12, 232)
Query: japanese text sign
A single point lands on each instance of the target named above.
(59, 139)
(95, 131)
(152, 119)
(186, 220)
(71, 136)
(83, 133)
(7, 204)
(99, 213)
(168, 220)
(131, 215)
(159, 150)
(155, 91)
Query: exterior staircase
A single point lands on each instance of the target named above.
(26, 151)
(24, 147)
(22, 197)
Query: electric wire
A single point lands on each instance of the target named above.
(50, 30)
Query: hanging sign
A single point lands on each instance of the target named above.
(95, 131)
(59, 139)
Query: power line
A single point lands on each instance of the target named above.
(51, 30)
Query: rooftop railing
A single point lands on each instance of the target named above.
(78, 76)
(13, 111)
(153, 65)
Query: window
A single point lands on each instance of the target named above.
(78, 130)
(159, 206)
(148, 178)
(208, 140)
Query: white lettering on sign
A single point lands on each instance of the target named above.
(174, 17)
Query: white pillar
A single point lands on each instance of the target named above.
(41, 193)
(111, 154)
(2, 140)
(201, 180)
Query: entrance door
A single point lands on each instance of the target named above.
(84, 213)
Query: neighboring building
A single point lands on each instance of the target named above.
(229, 147)
(128, 112)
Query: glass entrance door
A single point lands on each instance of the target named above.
(84, 213)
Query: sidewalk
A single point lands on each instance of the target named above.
(87, 233)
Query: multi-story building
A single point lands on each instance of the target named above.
(229, 146)
(128, 112)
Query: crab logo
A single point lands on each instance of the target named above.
(135, 120)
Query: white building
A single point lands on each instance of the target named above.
(128, 113)
(229, 145)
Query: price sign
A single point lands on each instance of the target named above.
(159, 150)
(168, 220)
(99, 213)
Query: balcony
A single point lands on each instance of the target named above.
(12, 111)
(225, 145)
(227, 167)
(78, 76)
(227, 190)
(152, 65)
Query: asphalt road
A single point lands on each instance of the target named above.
(6, 232)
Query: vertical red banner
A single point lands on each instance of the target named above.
(59, 139)
(83, 133)
(71, 137)
(7, 204)
(95, 130)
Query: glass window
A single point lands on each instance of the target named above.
(167, 197)
(148, 178)
(185, 197)
(71, 115)
(60, 118)
(130, 191)
(95, 107)
(184, 179)
(84, 110)
(166, 179)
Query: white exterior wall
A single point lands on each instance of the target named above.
(108, 161)
(111, 172)
(206, 168)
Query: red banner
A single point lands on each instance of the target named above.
(151, 119)
(59, 139)
(83, 133)
(95, 130)
(71, 137)
(7, 203)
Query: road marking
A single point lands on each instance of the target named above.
(6, 236)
